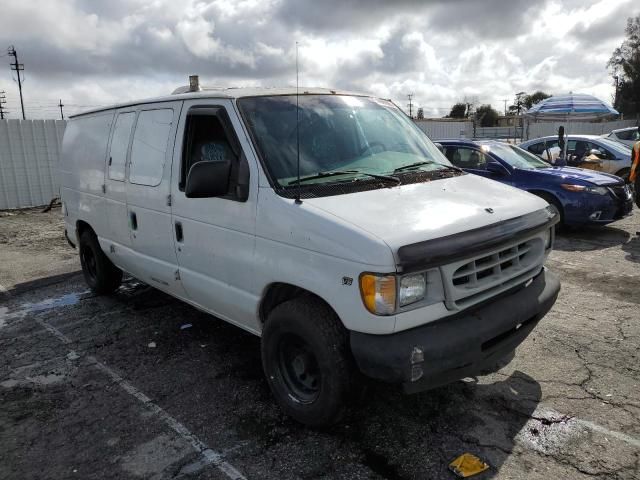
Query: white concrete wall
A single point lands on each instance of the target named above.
(29, 159)
(436, 130)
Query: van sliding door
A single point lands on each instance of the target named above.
(148, 201)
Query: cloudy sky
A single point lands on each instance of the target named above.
(96, 52)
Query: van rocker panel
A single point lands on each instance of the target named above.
(459, 346)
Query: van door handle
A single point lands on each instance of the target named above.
(179, 236)
(134, 220)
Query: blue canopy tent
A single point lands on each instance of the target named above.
(571, 107)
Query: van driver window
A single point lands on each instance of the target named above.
(205, 140)
(120, 145)
(149, 147)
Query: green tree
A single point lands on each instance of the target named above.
(420, 114)
(487, 116)
(537, 97)
(625, 69)
(459, 110)
(518, 105)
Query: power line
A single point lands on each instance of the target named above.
(17, 67)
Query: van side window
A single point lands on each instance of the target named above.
(149, 147)
(207, 140)
(120, 145)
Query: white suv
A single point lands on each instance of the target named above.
(327, 223)
(628, 136)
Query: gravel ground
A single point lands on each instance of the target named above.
(32, 246)
(121, 387)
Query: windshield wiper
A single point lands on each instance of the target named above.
(426, 162)
(332, 173)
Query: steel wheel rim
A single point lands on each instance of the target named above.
(299, 369)
(89, 261)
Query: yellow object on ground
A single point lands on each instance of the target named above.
(467, 465)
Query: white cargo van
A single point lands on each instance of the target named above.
(326, 223)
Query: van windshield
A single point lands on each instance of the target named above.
(341, 139)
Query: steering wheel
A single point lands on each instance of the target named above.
(370, 146)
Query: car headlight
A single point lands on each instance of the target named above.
(412, 289)
(584, 188)
(380, 292)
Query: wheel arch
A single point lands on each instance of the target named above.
(81, 227)
(549, 197)
(277, 293)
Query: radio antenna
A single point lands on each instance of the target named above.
(298, 201)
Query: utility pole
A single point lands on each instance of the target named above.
(61, 105)
(505, 100)
(410, 105)
(519, 101)
(3, 100)
(17, 67)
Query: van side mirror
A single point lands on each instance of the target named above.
(208, 179)
(497, 169)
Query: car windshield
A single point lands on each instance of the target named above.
(516, 156)
(341, 139)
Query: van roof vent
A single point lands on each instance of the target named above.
(194, 86)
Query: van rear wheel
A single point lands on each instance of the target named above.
(307, 362)
(101, 275)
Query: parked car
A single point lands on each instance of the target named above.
(626, 136)
(335, 230)
(615, 157)
(580, 196)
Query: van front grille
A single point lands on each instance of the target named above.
(474, 280)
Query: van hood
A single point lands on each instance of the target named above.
(572, 173)
(413, 213)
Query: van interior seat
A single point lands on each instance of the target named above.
(213, 151)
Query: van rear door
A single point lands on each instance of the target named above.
(114, 181)
(148, 196)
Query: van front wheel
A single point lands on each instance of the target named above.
(101, 275)
(306, 359)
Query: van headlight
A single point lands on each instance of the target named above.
(413, 288)
(381, 294)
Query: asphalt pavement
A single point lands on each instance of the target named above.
(139, 385)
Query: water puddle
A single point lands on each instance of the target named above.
(47, 304)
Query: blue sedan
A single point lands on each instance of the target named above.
(580, 196)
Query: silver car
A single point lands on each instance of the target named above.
(628, 136)
(615, 156)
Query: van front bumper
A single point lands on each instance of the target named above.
(458, 346)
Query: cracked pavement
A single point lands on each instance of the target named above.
(112, 387)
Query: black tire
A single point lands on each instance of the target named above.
(307, 362)
(636, 189)
(555, 204)
(624, 174)
(101, 275)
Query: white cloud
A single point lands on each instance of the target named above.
(90, 52)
